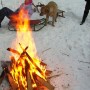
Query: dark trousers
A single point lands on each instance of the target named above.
(5, 12)
(86, 11)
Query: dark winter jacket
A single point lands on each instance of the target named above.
(87, 1)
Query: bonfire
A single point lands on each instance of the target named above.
(26, 70)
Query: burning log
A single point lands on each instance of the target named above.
(13, 50)
(21, 86)
(14, 86)
(29, 83)
(28, 77)
(48, 72)
(42, 63)
(31, 78)
(45, 83)
(40, 82)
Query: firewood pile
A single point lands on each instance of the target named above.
(25, 73)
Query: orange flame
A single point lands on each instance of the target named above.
(24, 39)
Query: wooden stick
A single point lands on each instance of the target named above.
(29, 81)
(33, 62)
(14, 51)
(48, 72)
(20, 86)
(42, 63)
(45, 83)
(12, 82)
(54, 76)
(45, 50)
(28, 77)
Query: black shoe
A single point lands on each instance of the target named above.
(81, 23)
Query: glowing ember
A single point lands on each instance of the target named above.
(27, 62)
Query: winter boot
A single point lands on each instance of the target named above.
(84, 17)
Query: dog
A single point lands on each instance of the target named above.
(51, 9)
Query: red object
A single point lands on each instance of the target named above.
(32, 22)
(28, 2)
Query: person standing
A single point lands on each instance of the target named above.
(5, 11)
(86, 11)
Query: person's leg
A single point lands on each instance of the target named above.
(86, 11)
(84, 17)
(5, 12)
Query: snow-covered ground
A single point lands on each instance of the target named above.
(65, 48)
